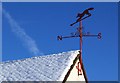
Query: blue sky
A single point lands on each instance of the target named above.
(43, 22)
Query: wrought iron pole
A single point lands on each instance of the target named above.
(80, 35)
(80, 31)
(80, 58)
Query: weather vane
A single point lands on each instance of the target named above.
(81, 16)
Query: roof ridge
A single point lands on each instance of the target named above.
(48, 55)
(68, 66)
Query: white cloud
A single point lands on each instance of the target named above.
(25, 38)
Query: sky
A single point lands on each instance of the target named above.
(31, 29)
(0, 32)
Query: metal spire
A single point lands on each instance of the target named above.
(81, 16)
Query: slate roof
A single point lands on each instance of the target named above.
(42, 68)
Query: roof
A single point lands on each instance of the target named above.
(42, 68)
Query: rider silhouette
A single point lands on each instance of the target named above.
(86, 12)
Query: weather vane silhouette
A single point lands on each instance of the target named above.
(81, 16)
(85, 12)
